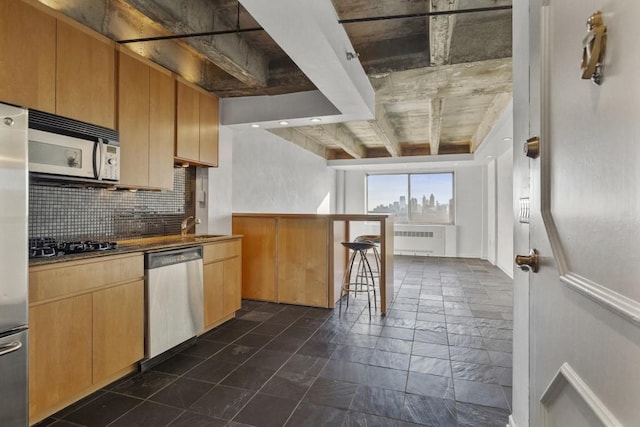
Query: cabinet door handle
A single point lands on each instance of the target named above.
(10, 348)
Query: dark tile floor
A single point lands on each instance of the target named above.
(441, 357)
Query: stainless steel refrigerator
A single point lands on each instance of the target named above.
(14, 186)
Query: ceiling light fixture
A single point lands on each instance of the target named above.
(284, 122)
(255, 125)
(316, 120)
(507, 138)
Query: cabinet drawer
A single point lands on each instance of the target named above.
(67, 278)
(217, 251)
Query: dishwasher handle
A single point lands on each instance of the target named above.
(176, 256)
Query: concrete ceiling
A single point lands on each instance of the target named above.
(419, 86)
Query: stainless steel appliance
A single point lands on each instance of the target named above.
(13, 267)
(72, 150)
(175, 300)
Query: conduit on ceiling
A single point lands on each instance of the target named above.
(340, 21)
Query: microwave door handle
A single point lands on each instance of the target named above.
(98, 156)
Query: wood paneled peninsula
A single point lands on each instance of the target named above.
(298, 258)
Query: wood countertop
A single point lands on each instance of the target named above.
(334, 217)
(143, 244)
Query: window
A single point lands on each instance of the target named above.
(416, 198)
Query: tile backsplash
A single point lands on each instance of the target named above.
(68, 213)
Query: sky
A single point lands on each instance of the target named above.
(385, 189)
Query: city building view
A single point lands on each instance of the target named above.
(413, 198)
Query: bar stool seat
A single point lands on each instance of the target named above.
(362, 276)
(375, 239)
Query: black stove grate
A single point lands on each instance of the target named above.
(43, 247)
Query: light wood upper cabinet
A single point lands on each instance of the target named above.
(209, 129)
(196, 125)
(27, 56)
(85, 76)
(162, 122)
(146, 118)
(133, 121)
(187, 122)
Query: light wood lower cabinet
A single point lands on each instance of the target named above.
(222, 274)
(59, 353)
(118, 328)
(85, 330)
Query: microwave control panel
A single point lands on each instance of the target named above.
(111, 163)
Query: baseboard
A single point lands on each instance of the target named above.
(505, 271)
(512, 422)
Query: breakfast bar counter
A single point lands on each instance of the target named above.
(299, 259)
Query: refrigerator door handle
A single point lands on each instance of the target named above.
(10, 348)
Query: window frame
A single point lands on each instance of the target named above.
(408, 176)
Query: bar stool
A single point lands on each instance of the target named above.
(364, 272)
(375, 240)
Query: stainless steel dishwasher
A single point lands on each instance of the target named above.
(174, 300)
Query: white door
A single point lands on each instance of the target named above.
(585, 220)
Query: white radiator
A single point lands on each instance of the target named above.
(425, 240)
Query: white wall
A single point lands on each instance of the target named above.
(469, 215)
(492, 201)
(214, 189)
(504, 212)
(273, 175)
(468, 198)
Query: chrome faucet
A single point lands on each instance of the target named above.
(185, 226)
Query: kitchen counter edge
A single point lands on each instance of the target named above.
(142, 245)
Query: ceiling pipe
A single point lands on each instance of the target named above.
(184, 36)
(340, 21)
(424, 14)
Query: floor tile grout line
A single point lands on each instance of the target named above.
(275, 373)
(407, 291)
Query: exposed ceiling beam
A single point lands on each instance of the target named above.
(301, 140)
(435, 124)
(383, 129)
(231, 53)
(440, 31)
(417, 150)
(397, 54)
(498, 105)
(341, 137)
(474, 78)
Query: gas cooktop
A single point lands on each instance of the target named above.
(43, 247)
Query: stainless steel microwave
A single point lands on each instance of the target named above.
(71, 150)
